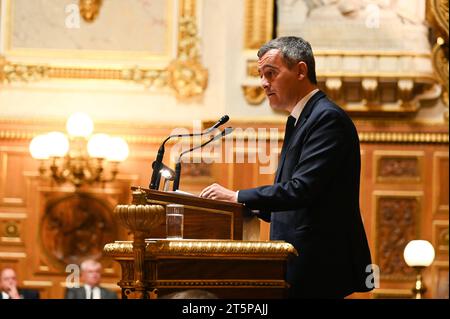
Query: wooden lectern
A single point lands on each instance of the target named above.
(219, 251)
(203, 218)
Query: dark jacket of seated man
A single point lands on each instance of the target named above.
(23, 294)
(9, 289)
(85, 293)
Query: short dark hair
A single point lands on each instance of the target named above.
(293, 50)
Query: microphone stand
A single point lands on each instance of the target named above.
(157, 165)
(176, 182)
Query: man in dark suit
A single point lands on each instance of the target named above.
(314, 202)
(8, 287)
(91, 276)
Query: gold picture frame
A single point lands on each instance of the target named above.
(180, 72)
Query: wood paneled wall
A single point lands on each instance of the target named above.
(404, 196)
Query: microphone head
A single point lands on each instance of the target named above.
(222, 121)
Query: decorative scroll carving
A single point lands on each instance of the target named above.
(185, 75)
(254, 95)
(20, 72)
(439, 19)
(398, 167)
(252, 68)
(397, 219)
(89, 9)
(76, 227)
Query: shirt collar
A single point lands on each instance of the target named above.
(301, 105)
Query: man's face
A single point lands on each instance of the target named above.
(278, 81)
(92, 275)
(8, 279)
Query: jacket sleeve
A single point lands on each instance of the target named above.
(323, 150)
(69, 294)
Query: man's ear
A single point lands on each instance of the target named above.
(302, 72)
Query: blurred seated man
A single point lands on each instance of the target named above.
(8, 287)
(91, 277)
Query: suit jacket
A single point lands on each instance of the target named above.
(80, 293)
(314, 204)
(26, 294)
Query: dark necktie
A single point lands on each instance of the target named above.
(288, 130)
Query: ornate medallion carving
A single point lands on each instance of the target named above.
(76, 227)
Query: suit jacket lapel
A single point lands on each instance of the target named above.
(300, 125)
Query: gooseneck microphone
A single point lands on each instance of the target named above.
(176, 182)
(157, 165)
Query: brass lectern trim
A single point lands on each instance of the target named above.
(216, 248)
(222, 283)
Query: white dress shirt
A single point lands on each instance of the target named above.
(298, 108)
(95, 290)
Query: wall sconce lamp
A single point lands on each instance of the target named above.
(419, 254)
(78, 158)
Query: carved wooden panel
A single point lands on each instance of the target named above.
(440, 239)
(440, 280)
(398, 166)
(397, 223)
(11, 229)
(12, 182)
(440, 192)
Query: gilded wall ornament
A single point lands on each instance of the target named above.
(89, 9)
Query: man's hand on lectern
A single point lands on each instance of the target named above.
(218, 192)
